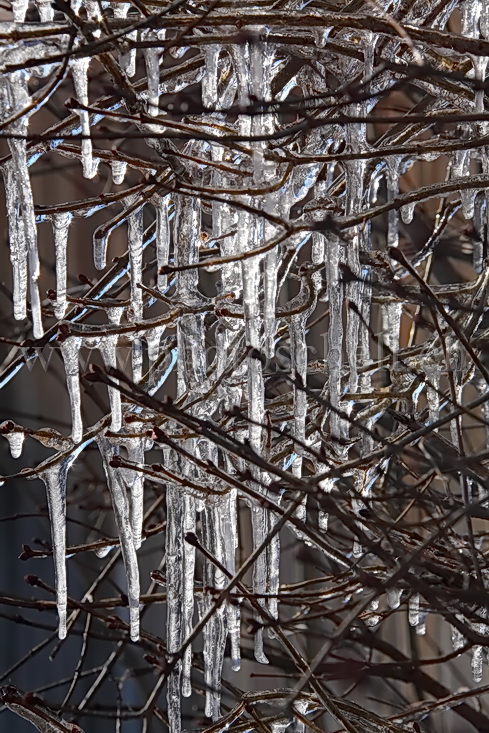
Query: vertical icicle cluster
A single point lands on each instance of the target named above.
(238, 220)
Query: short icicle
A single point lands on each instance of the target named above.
(70, 350)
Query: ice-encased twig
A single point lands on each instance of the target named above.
(31, 708)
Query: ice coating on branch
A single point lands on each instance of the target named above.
(70, 350)
(32, 708)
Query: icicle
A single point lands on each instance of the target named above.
(135, 481)
(210, 80)
(61, 224)
(188, 592)
(54, 479)
(413, 610)
(461, 169)
(477, 662)
(153, 338)
(191, 374)
(323, 521)
(162, 239)
(229, 524)
(392, 312)
(92, 8)
(215, 631)
(21, 207)
(478, 651)
(17, 244)
(458, 639)
(108, 349)
(407, 212)
(432, 372)
(122, 518)
(174, 576)
(80, 81)
(19, 9)
(152, 61)
(273, 579)
(15, 441)
(335, 333)
(118, 169)
(373, 619)
(121, 9)
(128, 60)
(270, 296)
(394, 597)
(259, 515)
(70, 349)
(298, 353)
(46, 12)
(356, 140)
(135, 238)
(357, 549)
(421, 626)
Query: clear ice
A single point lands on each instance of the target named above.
(221, 245)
